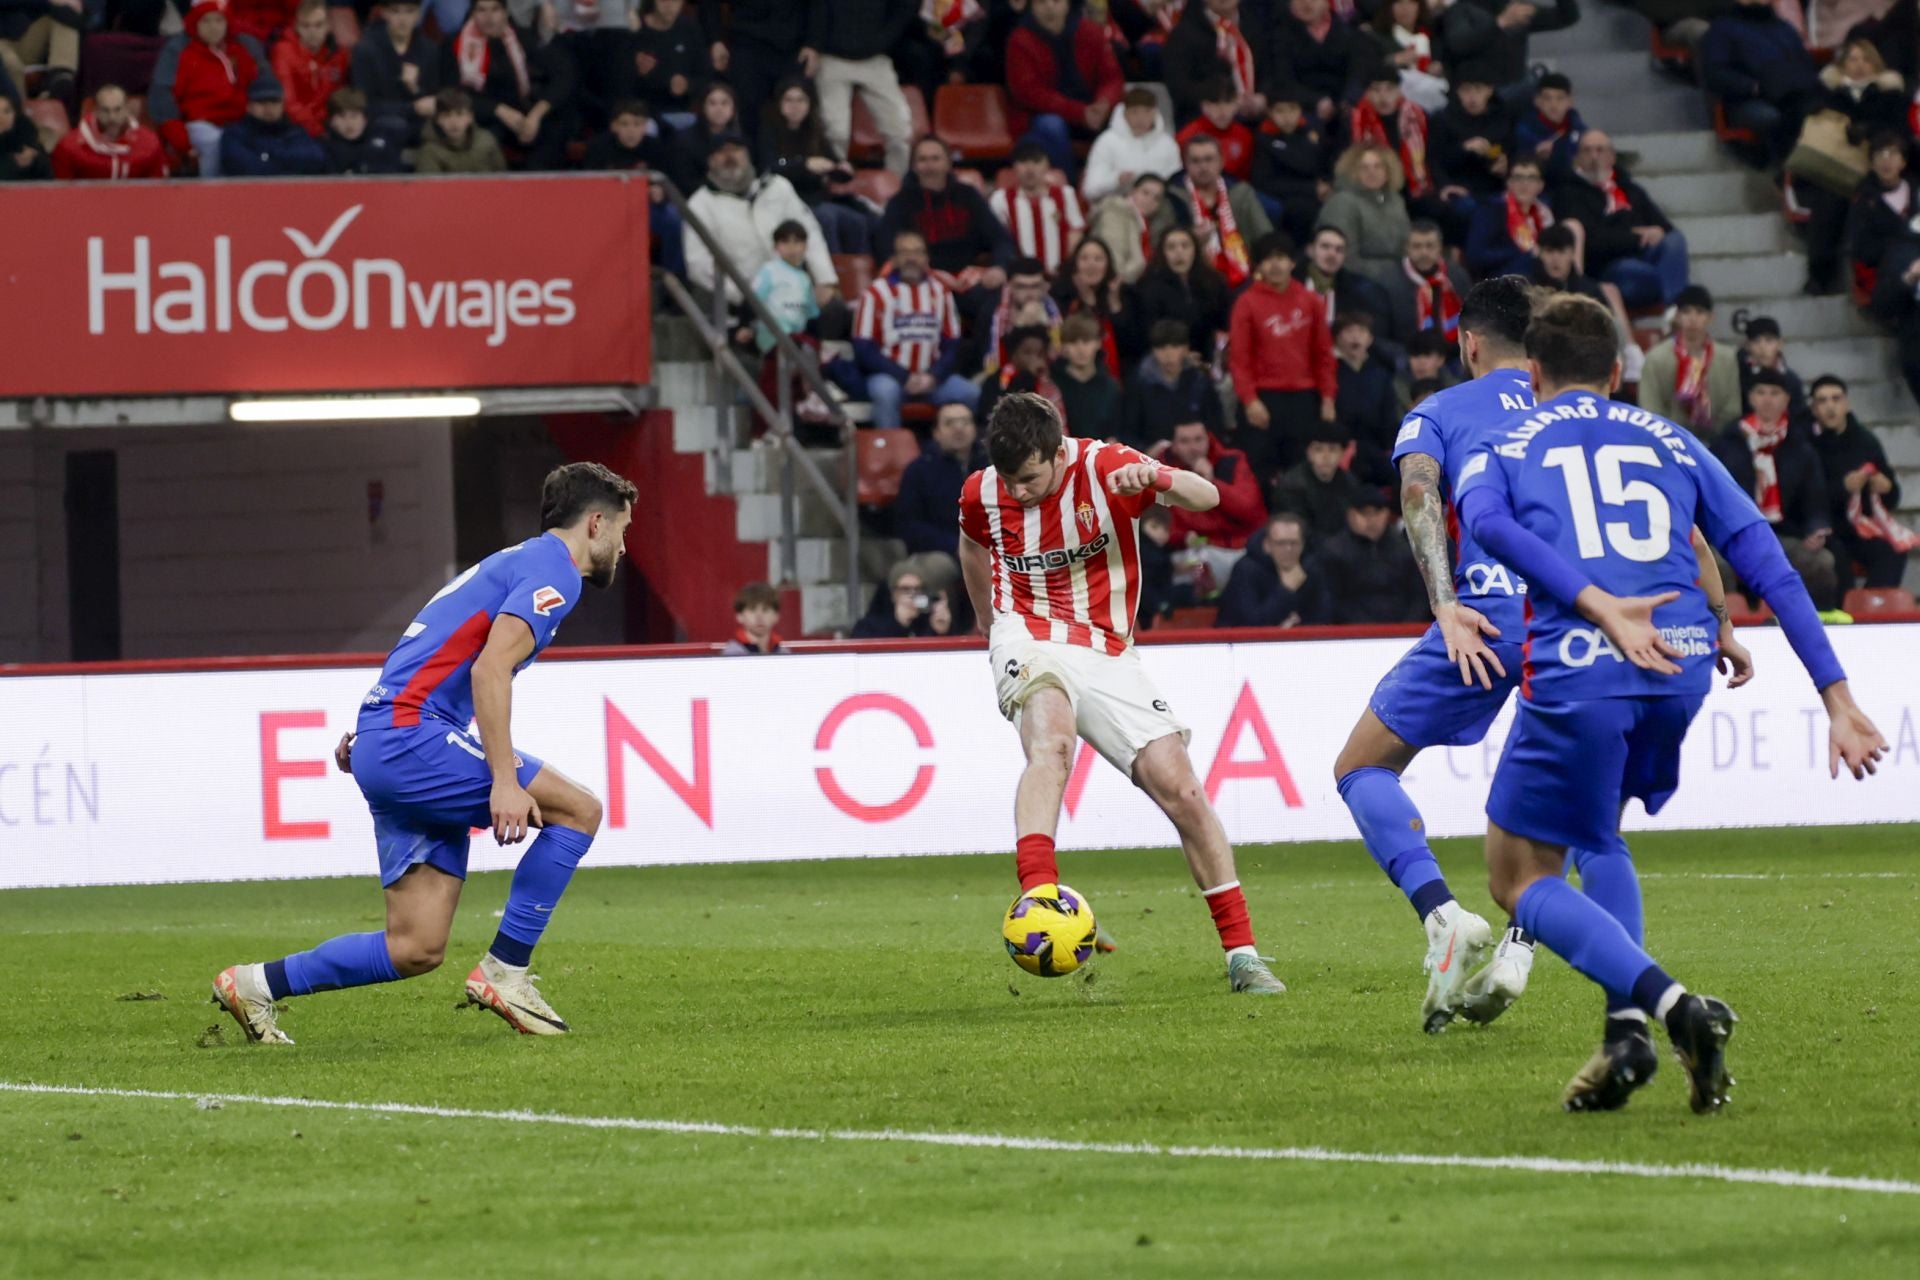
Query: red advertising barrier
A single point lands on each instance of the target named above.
(325, 285)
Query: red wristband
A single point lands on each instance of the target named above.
(1163, 479)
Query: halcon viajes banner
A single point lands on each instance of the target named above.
(832, 755)
(338, 284)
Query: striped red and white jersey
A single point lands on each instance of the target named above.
(1069, 568)
(1046, 226)
(908, 321)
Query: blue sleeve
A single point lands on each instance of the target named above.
(1724, 508)
(1487, 512)
(948, 358)
(1419, 434)
(1755, 554)
(544, 588)
(867, 353)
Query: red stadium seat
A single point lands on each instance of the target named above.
(1193, 618)
(975, 179)
(1725, 130)
(1882, 604)
(1742, 614)
(856, 273)
(1864, 278)
(877, 185)
(972, 119)
(866, 142)
(881, 454)
(1676, 56)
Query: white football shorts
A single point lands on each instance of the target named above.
(1115, 705)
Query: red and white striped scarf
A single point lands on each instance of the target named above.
(1168, 15)
(1370, 130)
(1236, 53)
(1424, 287)
(1616, 196)
(1230, 256)
(948, 14)
(1525, 225)
(1871, 519)
(476, 56)
(1690, 390)
(1763, 439)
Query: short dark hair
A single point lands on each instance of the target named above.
(1524, 161)
(1023, 426)
(1021, 335)
(909, 233)
(1327, 229)
(1199, 140)
(1499, 310)
(1080, 327)
(1219, 89)
(1143, 179)
(452, 99)
(1026, 267)
(1554, 80)
(1423, 226)
(1696, 297)
(1169, 332)
(339, 102)
(1029, 151)
(1573, 340)
(1559, 236)
(1428, 342)
(756, 595)
(791, 229)
(574, 490)
(1139, 96)
(1274, 244)
(1352, 320)
(1827, 380)
(630, 107)
(1886, 140)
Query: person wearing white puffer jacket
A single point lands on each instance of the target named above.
(1136, 141)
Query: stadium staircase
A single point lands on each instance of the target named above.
(1743, 248)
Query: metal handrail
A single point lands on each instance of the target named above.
(790, 359)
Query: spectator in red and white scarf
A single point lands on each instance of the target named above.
(522, 92)
(1029, 367)
(943, 45)
(1320, 56)
(1553, 129)
(1782, 471)
(1504, 236)
(1386, 117)
(1426, 292)
(1226, 216)
(906, 337)
(109, 143)
(1021, 303)
(1690, 379)
(210, 85)
(1629, 242)
(1044, 217)
(1402, 32)
(1862, 490)
(310, 66)
(1212, 40)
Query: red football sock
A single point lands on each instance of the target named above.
(1229, 907)
(1033, 861)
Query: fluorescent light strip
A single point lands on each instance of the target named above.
(353, 408)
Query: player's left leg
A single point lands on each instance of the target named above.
(1164, 771)
(570, 817)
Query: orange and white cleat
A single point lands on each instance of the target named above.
(510, 993)
(242, 991)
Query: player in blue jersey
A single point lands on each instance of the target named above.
(430, 778)
(1594, 502)
(1447, 689)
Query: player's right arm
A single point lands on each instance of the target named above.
(977, 572)
(509, 643)
(1423, 509)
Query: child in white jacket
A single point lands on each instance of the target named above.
(1136, 141)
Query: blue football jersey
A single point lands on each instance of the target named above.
(1450, 425)
(1616, 490)
(429, 674)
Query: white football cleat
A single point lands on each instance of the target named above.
(1457, 943)
(510, 993)
(1491, 991)
(242, 991)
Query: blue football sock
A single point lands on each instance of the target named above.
(1607, 876)
(538, 882)
(350, 960)
(1581, 932)
(1395, 836)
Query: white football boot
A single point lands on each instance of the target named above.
(242, 992)
(1457, 943)
(1491, 991)
(510, 993)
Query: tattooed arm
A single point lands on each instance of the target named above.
(1734, 660)
(1464, 629)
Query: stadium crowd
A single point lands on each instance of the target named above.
(1234, 234)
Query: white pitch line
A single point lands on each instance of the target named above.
(1013, 1142)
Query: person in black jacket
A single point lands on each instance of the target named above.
(1487, 40)
(1270, 586)
(719, 116)
(633, 141)
(398, 68)
(1190, 60)
(1758, 66)
(793, 143)
(755, 44)
(1319, 490)
(1629, 242)
(522, 92)
(666, 60)
(1166, 389)
(1329, 70)
(351, 146)
(1291, 163)
(1884, 209)
(1367, 404)
(926, 514)
(1858, 85)
(1862, 490)
(23, 158)
(1472, 143)
(1782, 471)
(1323, 269)
(1369, 567)
(1180, 285)
(960, 229)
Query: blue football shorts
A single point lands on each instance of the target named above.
(1569, 766)
(1422, 700)
(428, 787)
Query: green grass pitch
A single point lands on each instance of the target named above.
(874, 995)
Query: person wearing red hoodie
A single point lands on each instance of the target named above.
(109, 143)
(209, 86)
(1062, 78)
(1241, 512)
(310, 65)
(1281, 355)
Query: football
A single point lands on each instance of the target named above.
(1049, 930)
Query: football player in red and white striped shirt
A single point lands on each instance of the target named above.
(1046, 220)
(1050, 549)
(906, 336)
